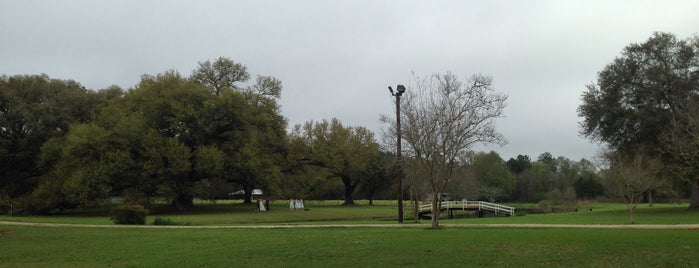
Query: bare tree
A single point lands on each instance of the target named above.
(631, 177)
(442, 119)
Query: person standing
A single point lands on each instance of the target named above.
(291, 204)
(260, 204)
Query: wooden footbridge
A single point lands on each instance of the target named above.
(480, 206)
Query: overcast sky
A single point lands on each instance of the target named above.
(336, 58)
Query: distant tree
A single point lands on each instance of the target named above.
(443, 118)
(346, 153)
(62, 146)
(80, 168)
(34, 109)
(140, 145)
(222, 73)
(588, 188)
(521, 170)
(226, 73)
(267, 86)
(548, 160)
(587, 185)
(494, 178)
(463, 185)
(542, 180)
(253, 137)
(520, 164)
(173, 107)
(380, 177)
(640, 95)
(527, 186)
(631, 177)
(254, 157)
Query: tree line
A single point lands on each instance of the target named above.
(174, 138)
(203, 136)
(215, 131)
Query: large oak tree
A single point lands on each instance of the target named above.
(346, 153)
(34, 109)
(642, 97)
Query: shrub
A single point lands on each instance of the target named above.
(167, 221)
(129, 214)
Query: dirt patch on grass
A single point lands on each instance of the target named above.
(6, 232)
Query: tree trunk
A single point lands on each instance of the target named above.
(247, 194)
(631, 208)
(694, 196)
(416, 207)
(349, 189)
(348, 198)
(650, 198)
(435, 210)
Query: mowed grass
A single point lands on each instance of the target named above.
(24, 246)
(34, 246)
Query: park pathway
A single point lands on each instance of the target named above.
(408, 225)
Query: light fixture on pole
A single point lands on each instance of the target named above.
(400, 90)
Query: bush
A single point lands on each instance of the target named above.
(129, 214)
(167, 221)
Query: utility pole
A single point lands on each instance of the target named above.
(400, 90)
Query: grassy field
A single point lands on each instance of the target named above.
(32, 246)
(22, 246)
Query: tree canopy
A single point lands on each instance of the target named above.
(34, 109)
(636, 96)
(63, 146)
(639, 98)
(347, 153)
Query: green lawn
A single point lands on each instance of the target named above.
(27, 246)
(22, 246)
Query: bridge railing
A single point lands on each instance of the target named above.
(468, 205)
